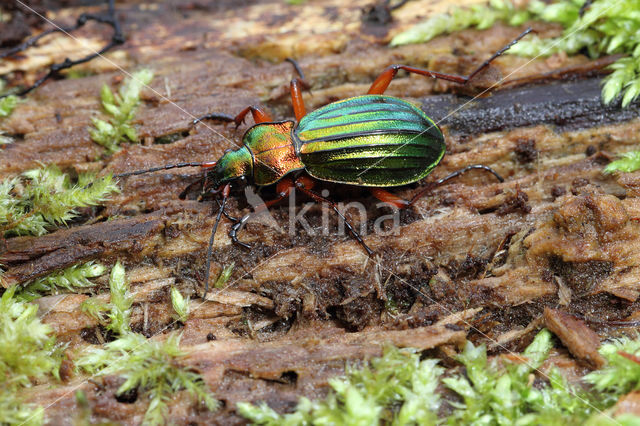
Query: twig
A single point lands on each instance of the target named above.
(109, 18)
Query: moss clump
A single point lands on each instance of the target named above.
(150, 366)
(28, 352)
(401, 389)
(40, 200)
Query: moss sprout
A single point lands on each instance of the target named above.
(628, 162)
(224, 276)
(70, 279)
(180, 305)
(7, 104)
(116, 315)
(120, 108)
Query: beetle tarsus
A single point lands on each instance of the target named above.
(237, 227)
(466, 169)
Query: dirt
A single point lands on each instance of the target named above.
(474, 259)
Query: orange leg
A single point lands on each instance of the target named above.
(382, 82)
(296, 86)
(259, 116)
(389, 198)
(296, 97)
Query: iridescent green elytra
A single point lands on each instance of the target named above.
(371, 140)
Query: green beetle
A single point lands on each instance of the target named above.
(373, 141)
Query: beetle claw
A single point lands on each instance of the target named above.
(233, 233)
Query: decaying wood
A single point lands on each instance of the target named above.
(474, 259)
(581, 341)
(628, 404)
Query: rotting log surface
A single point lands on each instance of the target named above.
(485, 257)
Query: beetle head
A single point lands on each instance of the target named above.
(232, 165)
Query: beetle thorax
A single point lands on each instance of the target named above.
(274, 154)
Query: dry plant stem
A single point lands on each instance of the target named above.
(117, 38)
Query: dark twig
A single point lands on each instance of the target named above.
(109, 18)
(584, 7)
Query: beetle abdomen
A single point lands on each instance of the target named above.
(371, 140)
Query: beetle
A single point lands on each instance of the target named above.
(374, 141)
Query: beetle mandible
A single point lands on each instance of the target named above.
(374, 141)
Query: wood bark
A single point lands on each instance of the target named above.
(474, 259)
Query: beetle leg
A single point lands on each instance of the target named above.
(303, 183)
(389, 198)
(225, 195)
(455, 174)
(296, 97)
(296, 86)
(283, 187)
(259, 116)
(382, 82)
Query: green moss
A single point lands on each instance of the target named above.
(628, 162)
(150, 366)
(605, 28)
(621, 375)
(180, 305)
(71, 279)
(401, 389)
(7, 104)
(121, 108)
(115, 315)
(224, 276)
(28, 352)
(397, 388)
(42, 199)
(496, 394)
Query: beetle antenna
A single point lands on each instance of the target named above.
(205, 164)
(225, 196)
(296, 67)
(499, 53)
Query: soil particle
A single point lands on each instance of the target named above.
(515, 203)
(526, 151)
